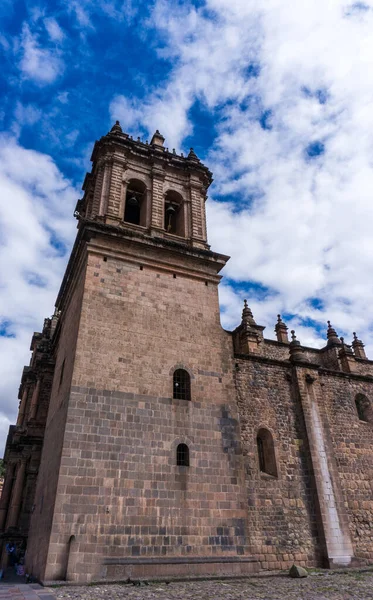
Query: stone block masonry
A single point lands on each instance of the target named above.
(263, 460)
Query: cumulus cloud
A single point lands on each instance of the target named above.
(289, 89)
(37, 228)
(40, 64)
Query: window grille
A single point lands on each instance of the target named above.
(181, 385)
(182, 455)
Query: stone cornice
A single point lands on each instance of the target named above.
(89, 229)
(122, 141)
(305, 365)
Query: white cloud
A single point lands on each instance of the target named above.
(25, 114)
(63, 97)
(42, 65)
(36, 202)
(81, 11)
(299, 225)
(54, 30)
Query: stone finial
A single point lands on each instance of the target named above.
(346, 357)
(332, 336)
(54, 320)
(193, 156)
(116, 128)
(47, 328)
(358, 347)
(296, 350)
(247, 315)
(281, 331)
(250, 335)
(157, 140)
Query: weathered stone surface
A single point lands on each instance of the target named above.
(281, 459)
(320, 586)
(297, 572)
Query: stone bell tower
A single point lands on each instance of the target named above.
(145, 185)
(141, 473)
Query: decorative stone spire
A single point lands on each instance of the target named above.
(54, 321)
(247, 315)
(157, 139)
(346, 357)
(281, 331)
(358, 347)
(248, 334)
(193, 156)
(332, 336)
(116, 128)
(296, 350)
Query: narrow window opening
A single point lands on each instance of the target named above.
(181, 385)
(182, 455)
(135, 208)
(174, 276)
(105, 258)
(364, 408)
(141, 267)
(266, 452)
(174, 214)
(262, 462)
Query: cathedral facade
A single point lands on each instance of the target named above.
(152, 443)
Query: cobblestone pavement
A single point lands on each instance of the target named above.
(21, 591)
(318, 586)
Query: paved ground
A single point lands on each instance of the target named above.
(21, 591)
(318, 586)
(326, 586)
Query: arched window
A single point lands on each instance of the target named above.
(174, 214)
(182, 455)
(181, 384)
(266, 452)
(135, 207)
(364, 408)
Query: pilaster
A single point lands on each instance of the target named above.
(334, 521)
(16, 500)
(158, 177)
(35, 399)
(5, 496)
(114, 208)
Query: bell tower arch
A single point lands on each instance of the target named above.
(133, 183)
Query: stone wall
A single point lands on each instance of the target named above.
(120, 493)
(352, 446)
(282, 510)
(52, 461)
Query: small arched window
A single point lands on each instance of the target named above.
(266, 452)
(174, 214)
(182, 455)
(181, 385)
(364, 408)
(135, 207)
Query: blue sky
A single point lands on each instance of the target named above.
(275, 97)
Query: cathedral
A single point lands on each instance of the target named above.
(152, 443)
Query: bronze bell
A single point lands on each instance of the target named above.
(133, 201)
